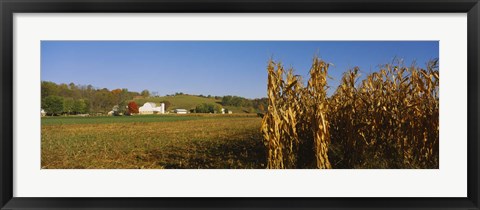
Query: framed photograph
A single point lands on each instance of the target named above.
(239, 105)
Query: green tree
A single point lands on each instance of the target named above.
(88, 105)
(123, 107)
(53, 105)
(48, 89)
(145, 93)
(68, 105)
(96, 100)
(201, 108)
(235, 101)
(104, 100)
(64, 90)
(79, 106)
(217, 108)
(208, 108)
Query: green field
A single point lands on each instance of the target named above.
(153, 141)
(110, 119)
(59, 120)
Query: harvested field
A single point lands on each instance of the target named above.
(211, 141)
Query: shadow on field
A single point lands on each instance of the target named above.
(235, 152)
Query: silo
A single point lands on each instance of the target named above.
(162, 108)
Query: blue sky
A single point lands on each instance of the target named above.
(213, 67)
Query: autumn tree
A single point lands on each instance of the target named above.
(132, 107)
(261, 108)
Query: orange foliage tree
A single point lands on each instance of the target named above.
(132, 107)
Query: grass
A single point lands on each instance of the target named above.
(109, 119)
(153, 142)
(132, 119)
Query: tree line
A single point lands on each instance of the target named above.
(79, 99)
(57, 99)
(258, 104)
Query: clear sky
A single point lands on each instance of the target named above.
(213, 67)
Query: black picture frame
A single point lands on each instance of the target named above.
(9, 7)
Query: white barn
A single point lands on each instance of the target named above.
(152, 108)
(181, 111)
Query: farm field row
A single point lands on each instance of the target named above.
(134, 119)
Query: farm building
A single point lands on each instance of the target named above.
(181, 111)
(43, 113)
(151, 108)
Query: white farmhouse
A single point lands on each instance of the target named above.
(181, 111)
(152, 108)
(43, 113)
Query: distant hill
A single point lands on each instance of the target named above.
(190, 102)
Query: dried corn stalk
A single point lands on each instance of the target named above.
(294, 111)
(387, 120)
(390, 120)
